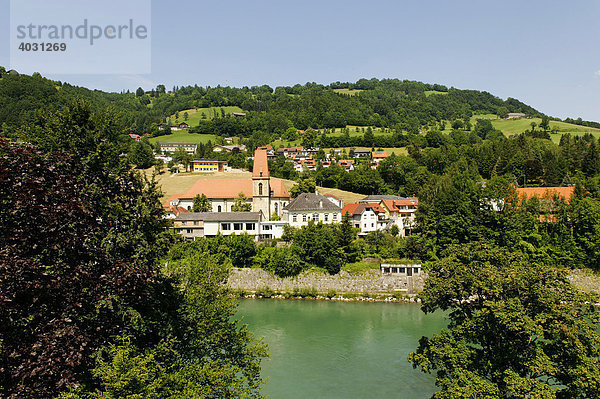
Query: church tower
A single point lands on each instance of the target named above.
(261, 188)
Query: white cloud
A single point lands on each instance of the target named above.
(597, 73)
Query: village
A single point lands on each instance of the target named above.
(270, 206)
(267, 206)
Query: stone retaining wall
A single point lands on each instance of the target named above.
(372, 282)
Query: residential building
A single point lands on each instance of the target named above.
(362, 153)
(135, 137)
(347, 164)
(549, 198)
(378, 156)
(337, 201)
(368, 217)
(171, 212)
(311, 207)
(172, 147)
(401, 211)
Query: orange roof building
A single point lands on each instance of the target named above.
(546, 193)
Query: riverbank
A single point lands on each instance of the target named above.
(369, 286)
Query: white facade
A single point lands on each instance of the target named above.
(301, 218)
(272, 229)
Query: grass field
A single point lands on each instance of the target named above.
(195, 115)
(351, 92)
(185, 137)
(517, 126)
(430, 92)
(179, 183)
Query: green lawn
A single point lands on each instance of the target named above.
(430, 92)
(351, 92)
(516, 126)
(185, 137)
(195, 115)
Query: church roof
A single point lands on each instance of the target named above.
(230, 188)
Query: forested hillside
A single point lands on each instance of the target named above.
(389, 103)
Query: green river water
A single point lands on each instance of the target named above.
(325, 349)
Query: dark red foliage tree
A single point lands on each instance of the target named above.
(62, 295)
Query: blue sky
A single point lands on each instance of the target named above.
(544, 53)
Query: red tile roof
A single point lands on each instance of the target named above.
(229, 189)
(357, 209)
(349, 209)
(546, 193)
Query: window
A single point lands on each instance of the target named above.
(195, 223)
(294, 218)
(189, 208)
(335, 216)
(326, 217)
(183, 223)
(219, 208)
(225, 226)
(238, 226)
(189, 231)
(304, 217)
(316, 217)
(260, 187)
(249, 226)
(267, 227)
(401, 270)
(372, 225)
(276, 208)
(416, 270)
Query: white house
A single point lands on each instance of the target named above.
(366, 216)
(311, 207)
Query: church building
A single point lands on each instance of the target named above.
(267, 195)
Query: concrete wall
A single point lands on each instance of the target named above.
(371, 281)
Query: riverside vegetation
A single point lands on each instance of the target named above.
(89, 312)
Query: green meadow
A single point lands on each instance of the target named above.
(351, 92)
(184, 137)
(195, 115)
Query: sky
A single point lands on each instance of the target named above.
(544, 53)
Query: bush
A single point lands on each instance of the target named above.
(285, 263)
(331, 293)
(265, 292)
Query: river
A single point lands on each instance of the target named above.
(328, 349)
